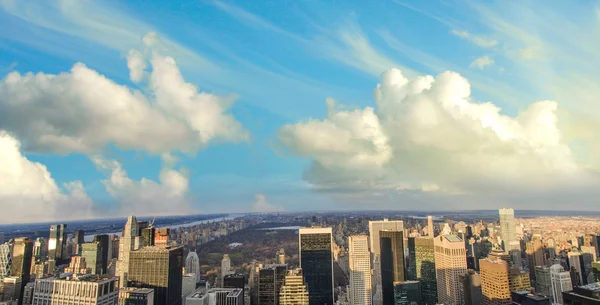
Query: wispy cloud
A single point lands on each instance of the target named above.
(481, 62)
(478, 40)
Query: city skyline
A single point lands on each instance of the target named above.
(115, 108)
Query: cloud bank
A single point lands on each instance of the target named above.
(262, 205)
(428, 135)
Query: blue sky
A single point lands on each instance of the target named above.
(282, 60)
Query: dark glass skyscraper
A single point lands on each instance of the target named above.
(104, 241)
(159, 268)
(56, 243)
(22, 253)
(93, 256)
(316, 261)
(422, 267)
(79, 239)
(392, 263)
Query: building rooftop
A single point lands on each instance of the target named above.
(452, 238)
(157, 249)
(201, 292)
(83, 278)
(591, 287)
(138, 290)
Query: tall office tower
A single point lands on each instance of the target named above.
(216, 296)
(11, 288)
(535, 254)
(574, 260)
(294, 291)
(77, 290)
(235, 281)
(225, 266)
(316, 261)
(136, 296)
(588, 256)
(158, 268)
(392, 263)
(281, 257)
(360, 270)
(515, 258)
(92, 252)
(79, 238)
(22, 252)
(471, 287)
(56, 243)
(148, 235)
(407, 293)
(5, 260)
(376, 226)
(596, 271)
(40, 248)
(422, 267)
(543, 281)
(127, 243)
(78, 266)
(495, 287)
(104, 241)
(561, 281)
(430, 229)
(270, 280)
(597, 245)
(161, 237)
(188, 284)
(507, 226)
(450, 264)
(551, 248)
(192, 264)
(518, 279)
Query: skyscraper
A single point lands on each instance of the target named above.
(161, 237)
(360, 270)
(22, 253)
(92, 252)
(56, 243)
(79, 239)
(495, 286)
(422, 267)
(392, 263)
(127, 243)
(375, 227)
(430, 228)
(450, 264)
(270, 280)
(158, 268)
(407, 293)
(5, 260)
(507, 227)
(316, 261)
(192, 264)
(471, 287)
(225, 266)
(561, 281)
(77, 290)
(543, 281)
(294, 291)
(105, 243)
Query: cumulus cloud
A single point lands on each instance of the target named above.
(84, 111)
(482, 62)
(427, 134)
(262, 205)
(29, 193)
(478, 40)
(167, 196)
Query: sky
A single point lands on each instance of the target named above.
(111, 108)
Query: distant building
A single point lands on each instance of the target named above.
(84, 290)
(316, 261)
(106, 249)
(471, 286)
(28, 293)
(507, 227)
(360, 270)
(136, 296)
(543, 281)
(158, 268)
(234, 281)
(188, 284)
(392, 263)
(79, 237)
(92, 252)
(422, 267)
(78, 266)
(525, 297)
(270, 280)
(216, 296)
(192, 264)
(583, 295)
(225, 266)
(57, 242)
(5, 260)
(161, 237)
(294, 291)
(407, 293)
(561, 281)
(450, 264)
(22, 254)
(128, 241)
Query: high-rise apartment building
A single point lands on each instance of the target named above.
(57, 242)
(225, 266)
(360, 270)
(161, 237)
(561, 281)
(270, 280)
(136, 296)
(422, 267)
(280, 257)
(294, 291)
(93, 256)
(391, 262)
(450, 264)
(495, 287)
(84, 290)
(430, 228)
(316, 261)
(105, 245)
(471, 287)
(129, 241)
(159, 268)
(192, 264)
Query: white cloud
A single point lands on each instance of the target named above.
(30, 194)
(167, 196)
(482, 62)
(262, 205)
(478, 40)
(427, 134)
(83, 111)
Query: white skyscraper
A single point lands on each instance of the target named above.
(127, 243)
(561, 281)
(225, 266)
(192, 264)
(360, 270)
(450, 264)
(507, 227)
